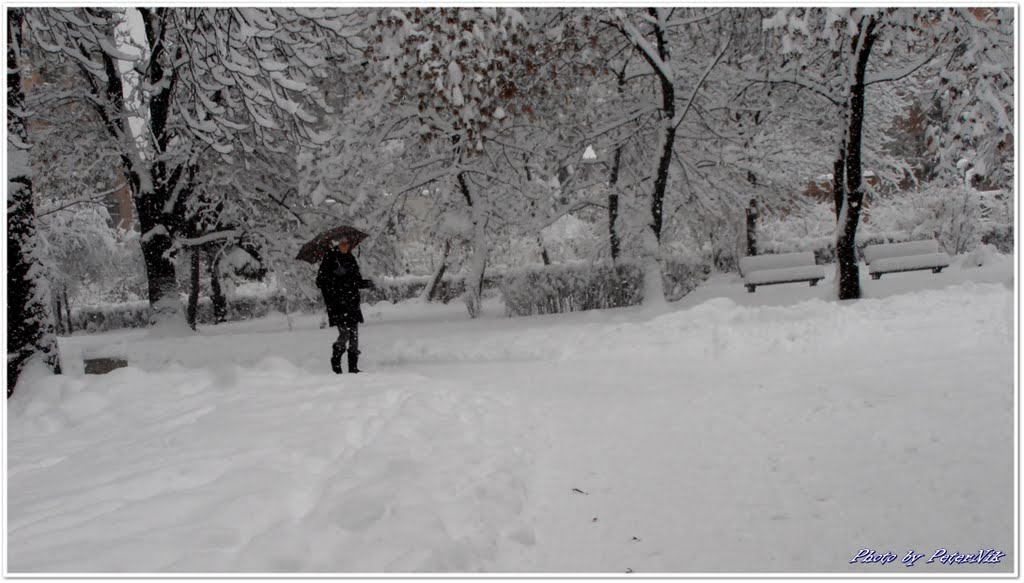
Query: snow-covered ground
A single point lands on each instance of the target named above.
(734, 432)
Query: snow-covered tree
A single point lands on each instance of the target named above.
(198, 82)
(444, 118)
(972, 96)
(656, 34)
(29, 321)
(455, 66)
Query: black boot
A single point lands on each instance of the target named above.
(353, 361)
(336, 351)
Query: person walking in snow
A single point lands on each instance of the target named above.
(339, 281)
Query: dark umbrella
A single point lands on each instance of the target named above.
(314, 251)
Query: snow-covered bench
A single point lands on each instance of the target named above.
(780, 268)
(912, 256)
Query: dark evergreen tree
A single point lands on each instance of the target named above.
(29, 322)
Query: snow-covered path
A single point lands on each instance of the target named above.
(745, 433)
(269, 470)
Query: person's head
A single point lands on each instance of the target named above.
(344, 246)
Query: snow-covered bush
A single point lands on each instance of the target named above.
(100, 318)
(397, 289)
(959, 218)
(578, 287)
(999, 236)
(984, 254)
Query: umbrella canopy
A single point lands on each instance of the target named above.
(315, 249)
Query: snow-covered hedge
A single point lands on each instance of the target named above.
(959, 219)
(113, 316)
(577, 287)
(110, 316)
(535, 290)
(397, 289)
(136, 314)
(824, 248)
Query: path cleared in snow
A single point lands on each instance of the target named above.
(767, 432)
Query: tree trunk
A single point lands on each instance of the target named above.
(58, 311)
(67, 310)
(661, 182)
(613, 184)
(159, 227)
(849, 214)
(752, 215)
(29, 321)
(160, 273)
(478, 262)
(839, 178)
(544, 257)
(654, 292)
(435, 283)
(193, 295)
(613, 217)
(220, 302)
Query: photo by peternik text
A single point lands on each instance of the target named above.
(678, 290)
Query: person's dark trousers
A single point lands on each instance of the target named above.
(348, 339)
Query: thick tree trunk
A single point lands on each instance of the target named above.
(220, 302)
(159, 227)
(839, 178)
(29, 321)
(654, 292)
(193, 296)
(160, 273)
(661, 182)
(849, 212)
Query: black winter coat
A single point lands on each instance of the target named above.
(339, 281)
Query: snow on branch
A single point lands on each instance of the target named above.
(649, 52)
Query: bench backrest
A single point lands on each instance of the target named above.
(885, 251)
(775, 261)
